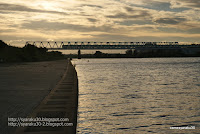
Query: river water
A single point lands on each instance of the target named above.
(138, 95)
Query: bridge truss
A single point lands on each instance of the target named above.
(53, 45)
(57, 45)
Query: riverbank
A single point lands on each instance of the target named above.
(151, 53)
(29, 53)
(25, 85)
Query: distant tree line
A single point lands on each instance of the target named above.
(142, 53)
(28, 53)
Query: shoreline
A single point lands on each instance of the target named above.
(132, 57)
(91, 56)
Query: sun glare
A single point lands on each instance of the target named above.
(47, 5)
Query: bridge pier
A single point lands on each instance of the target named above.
(79, 54)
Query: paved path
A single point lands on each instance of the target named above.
(61, 102)
(24, 85)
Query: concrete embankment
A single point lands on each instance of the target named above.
(60, 103)
(24, 85)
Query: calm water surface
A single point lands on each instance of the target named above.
(136, 96)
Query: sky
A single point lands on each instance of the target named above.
(99, 20)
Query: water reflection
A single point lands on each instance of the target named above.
(138, 95)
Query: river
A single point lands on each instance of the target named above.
(138, 95)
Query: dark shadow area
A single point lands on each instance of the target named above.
(143, 53)
(29, 53)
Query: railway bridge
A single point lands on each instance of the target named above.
(55, 45)
(67, 45)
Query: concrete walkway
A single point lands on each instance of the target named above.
(24, 85)
(61, 102)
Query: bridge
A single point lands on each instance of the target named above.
(60, 45)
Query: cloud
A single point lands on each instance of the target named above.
(150, 38)
(92, 20)
(166, 5)
(171, 21)
(7, 30)
(135, 22)
(185, 3)
(14, 7)
(194, 31)
(131, 14)
(89, 5)
(46, 25)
